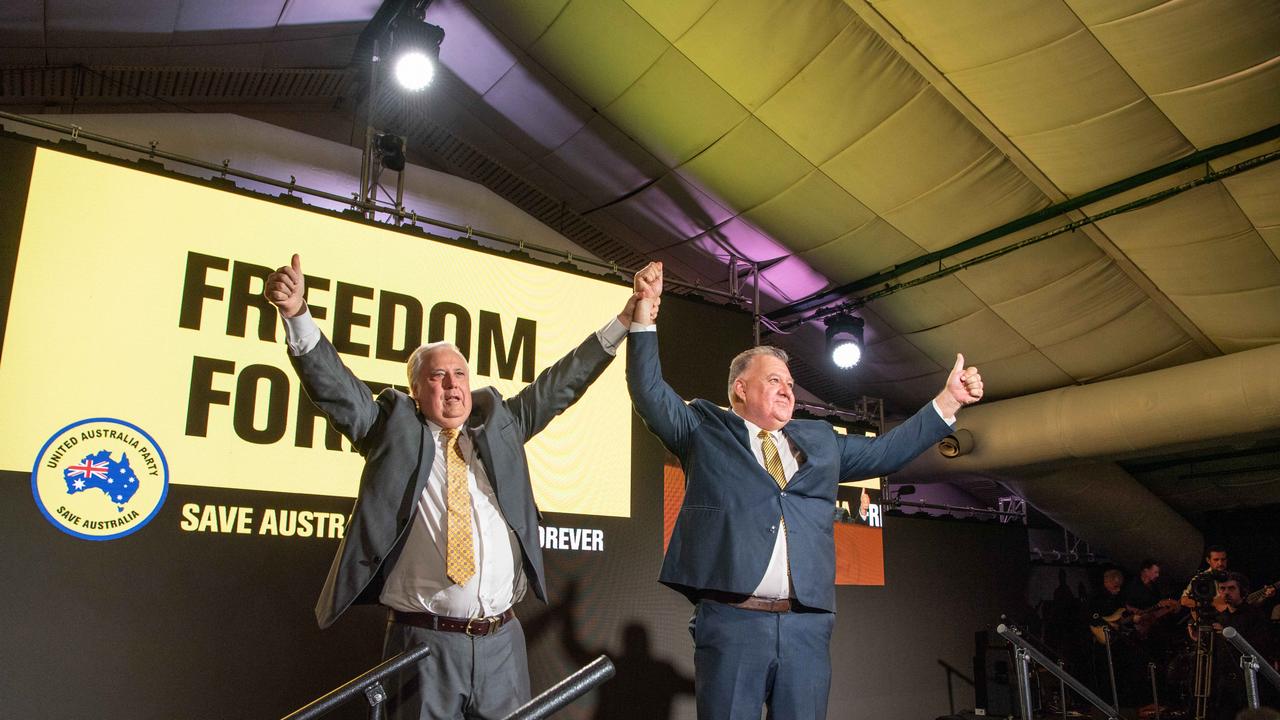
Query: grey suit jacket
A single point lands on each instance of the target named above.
(398, 452)
(728, 524)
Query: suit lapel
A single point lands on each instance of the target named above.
(799, 443)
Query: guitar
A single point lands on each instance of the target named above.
(1257, 596)
(1122, 620)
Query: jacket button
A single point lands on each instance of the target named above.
(784, 493)
(773, 528)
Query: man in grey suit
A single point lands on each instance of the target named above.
(445, 531)
(753, 544)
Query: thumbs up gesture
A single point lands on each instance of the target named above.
(964, 383)
(285, 288)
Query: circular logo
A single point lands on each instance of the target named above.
(100, 479)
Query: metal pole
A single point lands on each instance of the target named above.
(361, 684)
(1254, 667)
(1022, 664)
(1011, 634)
(1155, 695)
(1249, 664)
(1062, 690)
(566, 691)
(1111, 667)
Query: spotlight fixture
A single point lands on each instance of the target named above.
(389, 150)
(415, 50)
(844, 339)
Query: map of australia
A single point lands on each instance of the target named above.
(99, 472)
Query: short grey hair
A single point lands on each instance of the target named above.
(743, 359)
(414, 363)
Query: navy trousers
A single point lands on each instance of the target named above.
(746, 659)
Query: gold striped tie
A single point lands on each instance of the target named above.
(772, 461)
(460, 557)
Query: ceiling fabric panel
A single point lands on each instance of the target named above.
(1127, 341)
(917, 148)
(850, 87)
(523, 22)
(1073, 80)
(1123, 143)
(546, 113)
(672, 19)
(1232, 319)
(986, 194)
(958, 35)
(810, 213)
(921, 307)
(942, 342)
(1072, 306)
(675, 110)
(599, 66)
(864, 250)
(1166, 48)
(1225, 109)
(747, 166)
(1031, 268)
(603, 162)
(753, 47)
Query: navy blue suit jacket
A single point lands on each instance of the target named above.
(728, 524)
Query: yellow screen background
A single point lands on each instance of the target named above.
(93, 330)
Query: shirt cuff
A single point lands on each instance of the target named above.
(641, 327)
(948, 420)
(611, 336)
(301, 333)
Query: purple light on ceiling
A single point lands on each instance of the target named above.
(602, 163)
(470, 49)
(526, 100)
(675, 208)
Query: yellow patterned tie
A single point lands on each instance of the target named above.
(772, 461)
(460, 558)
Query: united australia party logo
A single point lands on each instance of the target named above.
(100, 479)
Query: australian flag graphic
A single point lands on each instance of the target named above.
(99, 472)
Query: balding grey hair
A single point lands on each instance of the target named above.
(414, 362)
(740, 363)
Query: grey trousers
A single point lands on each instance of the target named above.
(464, 677)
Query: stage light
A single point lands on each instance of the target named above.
(844, 340)
(415, 50)
(390, 151)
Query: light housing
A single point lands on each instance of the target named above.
(844, 339)
(415, 51)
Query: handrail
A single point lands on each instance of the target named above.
(367, 684)
(566, 691)
(1025, 654)
(1252, 662)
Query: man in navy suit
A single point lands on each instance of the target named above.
(752, 546)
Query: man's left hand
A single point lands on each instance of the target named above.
(964, 384)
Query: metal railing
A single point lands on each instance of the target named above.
(1024, 653)
(1252, 662)
(368, 684)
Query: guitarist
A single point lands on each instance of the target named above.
(1146, 602)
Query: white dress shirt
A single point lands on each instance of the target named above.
(776, 583)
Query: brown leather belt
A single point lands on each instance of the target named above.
(474, 627)
(749, 602)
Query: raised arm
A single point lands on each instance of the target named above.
(339, 394)
(662, 410)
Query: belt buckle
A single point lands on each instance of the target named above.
(489, 623)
